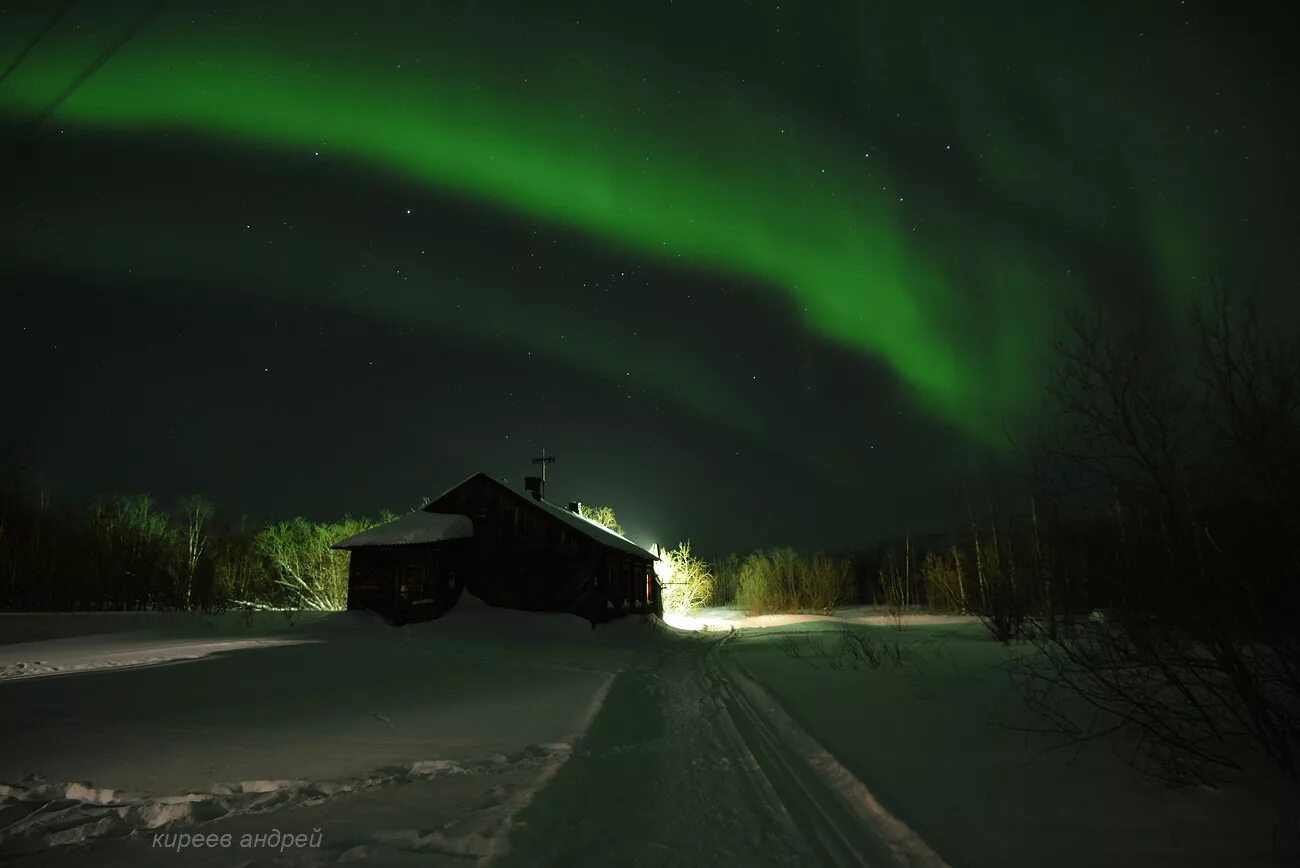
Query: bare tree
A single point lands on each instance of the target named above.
(602, 515)
(1171, 479)
(195, 513)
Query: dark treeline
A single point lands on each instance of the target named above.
(1165, 482)
(126, 552)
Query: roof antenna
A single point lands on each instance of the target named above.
(543, 459)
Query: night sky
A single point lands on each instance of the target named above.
(758, 273)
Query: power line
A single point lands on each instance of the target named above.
(104, 57)
(36, 40)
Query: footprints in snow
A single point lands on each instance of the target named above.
(35, 814)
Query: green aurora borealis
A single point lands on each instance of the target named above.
(926, 189)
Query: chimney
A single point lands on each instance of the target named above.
(534, 485)
(575, 507)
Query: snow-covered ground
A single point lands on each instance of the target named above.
(525, 739)
(933, 732)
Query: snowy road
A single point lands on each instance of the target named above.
(691, 763)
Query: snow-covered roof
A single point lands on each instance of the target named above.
(594, 530)
(412, 528)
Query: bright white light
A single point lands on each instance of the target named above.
(663, 566)
(684, 622)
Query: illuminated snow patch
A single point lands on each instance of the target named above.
(98, 653)
(683, 622)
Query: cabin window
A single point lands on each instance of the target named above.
(410, 583)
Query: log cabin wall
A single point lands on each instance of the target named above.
(408, 582)
(528, 558)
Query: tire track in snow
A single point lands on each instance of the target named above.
(690, 763)
(841, 820)
(660, 779)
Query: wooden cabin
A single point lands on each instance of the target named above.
(509, 548)
(412, 568)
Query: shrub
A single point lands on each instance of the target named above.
(602, 515)
(943, 581)
(852, 649)
(686, 581)
(757, 588)
(781, 581)
(823, 582)
(240, 574)
(134, 553)
(725, 575)
(306, 571)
